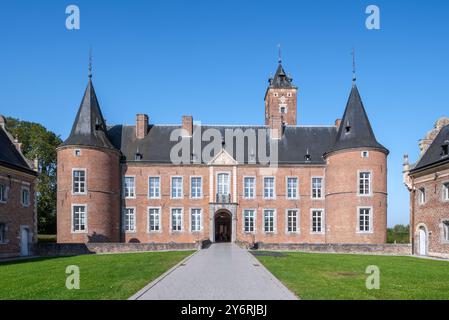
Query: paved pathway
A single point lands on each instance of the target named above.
(221, 272)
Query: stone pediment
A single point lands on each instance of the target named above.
(223, 158)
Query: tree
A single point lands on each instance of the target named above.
(398, 234)
(39, 143)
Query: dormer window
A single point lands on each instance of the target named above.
(138, 156)
(97, 124)
(445, 150)
(347, 128)
(308, 157)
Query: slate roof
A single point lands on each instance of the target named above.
(434, 154)
(299, 144)
(9, 156)
(355, 129)
(293, 147)
(281, 79)
(89, 128)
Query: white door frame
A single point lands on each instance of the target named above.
(423, 240)
(24, 246)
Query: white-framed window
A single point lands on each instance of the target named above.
(292, 188)
(176, 219)
(249, 220)
(365, 220)
(446, 231)
(77, 153)
(196, 187)
(79, 181)
(195, 220)
(2, 233)
(317, 188)
(79, 218)
(249, 187)
(446, 191)
(25, 197)
(268, 188)
(365, 154)
(223, 182)
(422, 195)
(154, 219)
(317, 223)
(269, 220)
(3, 195)
(364, 183)
(154, 187)
(292, 221)
(129, 187)
(129, 219)
(176, 188)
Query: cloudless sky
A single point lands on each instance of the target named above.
(212, 59)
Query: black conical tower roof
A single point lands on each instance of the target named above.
(355, 129)
(281, 79)
(89, 128)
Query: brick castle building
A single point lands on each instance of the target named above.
(326, 184)
(428, 183)
(18, 211)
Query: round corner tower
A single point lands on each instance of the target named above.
(88, 200)
(356, 181)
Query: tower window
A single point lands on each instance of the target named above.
(77, 153)
(365, 154)
(283, 110)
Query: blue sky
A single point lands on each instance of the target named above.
(212, 59)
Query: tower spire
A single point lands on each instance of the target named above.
(90, 62)
(279, 54)
(354, 77)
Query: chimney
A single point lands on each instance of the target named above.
(187, 124)
(18, 144)
(276, 127)
(338, 123)
(425, 143)
(2, 122)
(141, 126)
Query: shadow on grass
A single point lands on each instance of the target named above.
(28, 260)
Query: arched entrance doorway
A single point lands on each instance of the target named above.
(223, 226)
(422, 241)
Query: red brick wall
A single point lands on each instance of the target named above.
(342, 199)
(433, 212)
(272, 105)
(14, 214)
(340, 209)
(102, 198)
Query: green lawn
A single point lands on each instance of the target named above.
(115, 276)
(332, 276)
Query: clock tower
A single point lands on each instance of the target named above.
(281, 99)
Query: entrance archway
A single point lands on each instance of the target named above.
(223, 226)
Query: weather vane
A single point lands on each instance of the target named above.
(90, 62)
(354, 78)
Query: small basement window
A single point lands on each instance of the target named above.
(446, 231)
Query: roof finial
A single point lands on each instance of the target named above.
(90, 62)
(354, 78)
(279, 54)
